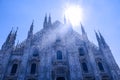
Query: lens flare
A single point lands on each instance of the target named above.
(74, 15)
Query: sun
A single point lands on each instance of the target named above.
(74, 15)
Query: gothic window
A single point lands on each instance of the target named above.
(58, 40)
(100, 66)
(14, 69)
(81, 51)
(84, 67)
(59, 55)
(33, 68)
(36, 53)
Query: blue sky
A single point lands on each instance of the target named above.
(102, 15)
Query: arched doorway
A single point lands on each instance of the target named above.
(60, 78)
(60, 72)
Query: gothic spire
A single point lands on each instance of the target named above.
(31, 27)
(15, 35)
(82, 29)
(9, 35)
(30, 32)
(10, 41)
(102, 40)
(84, 35)
(98, 38)
(45, 21)
(49, 20)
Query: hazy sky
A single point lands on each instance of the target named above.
(102, 15)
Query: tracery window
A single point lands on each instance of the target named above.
(59, 55)
(36, 53)
(81, 51)
(58, 40)
(100, 65)
(14, 69)
(33, 68)
(84, 67)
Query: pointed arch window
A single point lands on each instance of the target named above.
(59, 55)
(58, 40)
(84, 67)
(14, 69)
(100, 65)
(36, 53)
(81, 51)
(33, 68)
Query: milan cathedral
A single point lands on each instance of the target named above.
(57, 52)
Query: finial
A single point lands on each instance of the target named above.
(45, 24)
(15, 34)
(11, 30)
(31, 27)
(49, 18)
(82, 28)
(98, 38)
(9, 35)
(46, 17)
(32, 22)
(102, 39)
(16, 30)
(96, 35)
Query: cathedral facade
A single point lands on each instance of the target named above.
(57, 52)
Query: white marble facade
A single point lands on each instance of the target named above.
(57, 52)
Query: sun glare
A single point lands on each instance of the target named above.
(74, 15)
